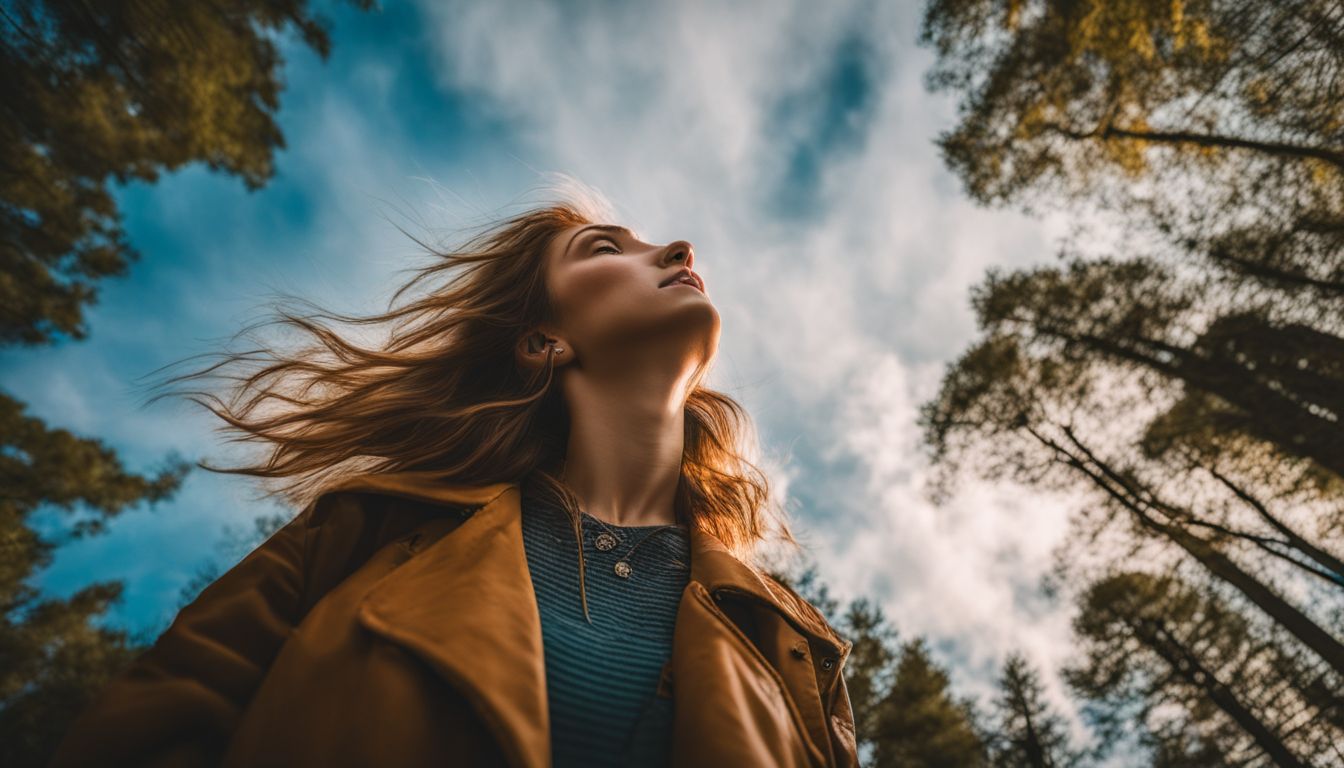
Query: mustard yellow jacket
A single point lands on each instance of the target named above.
(393, 623)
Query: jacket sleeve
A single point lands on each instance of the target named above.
(177, 704)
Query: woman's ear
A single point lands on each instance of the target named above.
(532, 348)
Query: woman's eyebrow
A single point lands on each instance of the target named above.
(600, 228)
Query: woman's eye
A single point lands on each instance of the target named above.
(611, 248)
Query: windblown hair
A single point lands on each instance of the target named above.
(442, 392)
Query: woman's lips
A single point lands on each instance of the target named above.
(687, 281)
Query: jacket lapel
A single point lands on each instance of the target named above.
(714, 566)
(786, 627)
(466, 606)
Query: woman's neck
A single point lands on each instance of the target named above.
(623, 459)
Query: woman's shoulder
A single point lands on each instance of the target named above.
(805, 609)
(357, 506)
(407, 492)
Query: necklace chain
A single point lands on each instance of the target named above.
(608, 540)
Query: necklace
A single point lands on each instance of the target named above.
(607, 540)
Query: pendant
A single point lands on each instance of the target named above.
(622, 569)
(605, 541)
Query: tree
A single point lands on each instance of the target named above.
(1193, 380)
(904, 713)
(1027, 733)
(1238, 176)
(1213, 124)
(1202, 679)
(919, 723)
(93, 93)
(55, 657)
(121, 89)
(1085, 98)
(1049, 371)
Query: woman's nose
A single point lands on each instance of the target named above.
(680, 250)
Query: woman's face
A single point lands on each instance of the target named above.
(607, 289)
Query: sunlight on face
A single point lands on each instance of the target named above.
(604, 284)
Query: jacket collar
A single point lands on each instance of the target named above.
(501, 665)
(712, 563)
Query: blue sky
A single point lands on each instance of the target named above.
(790, 142)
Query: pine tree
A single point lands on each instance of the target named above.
(872, 666)
(1221, 108)
(1027, 732)
(1197, 675)
(1191, 381)
(919, 723)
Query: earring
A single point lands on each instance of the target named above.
(558, 350)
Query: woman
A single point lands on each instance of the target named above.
(525, 540)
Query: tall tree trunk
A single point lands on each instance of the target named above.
(1295, 622)
(1286, 423)
(1191, 669)
(1326, 560)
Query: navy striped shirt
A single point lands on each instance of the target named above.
(601, 678)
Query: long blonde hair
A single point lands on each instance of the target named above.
(443, 393)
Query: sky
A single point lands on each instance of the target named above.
(792, 143)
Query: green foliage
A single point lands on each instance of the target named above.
(919, 722)
(92, 94)
(55, 658)
(1063, 97)
(40, 466)
(1192, 379)
(1201, 680)
(1027, 733)
(111, 91)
